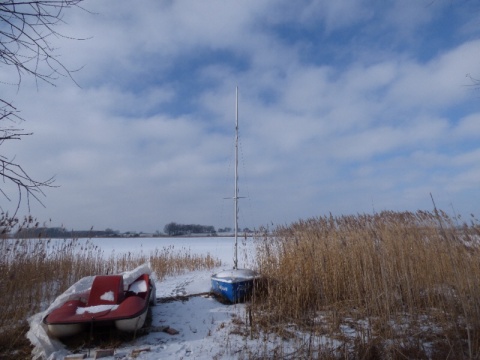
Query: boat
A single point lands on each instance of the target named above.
(106, 303)
(234, 285)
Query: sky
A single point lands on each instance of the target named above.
(345, 107)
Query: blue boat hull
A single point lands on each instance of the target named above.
(234, 292)
(234, 286)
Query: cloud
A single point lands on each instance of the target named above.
(468, 126)
(440, 82)
(410, 16)
(339, 112)
(337, 14)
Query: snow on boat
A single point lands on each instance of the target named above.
(234, 285)
(106, 303)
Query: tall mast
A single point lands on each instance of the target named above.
(235, 197)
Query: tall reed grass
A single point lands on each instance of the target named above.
(35, 271)
(388, 285)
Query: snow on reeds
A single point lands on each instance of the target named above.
(388, 285)
(35, 271)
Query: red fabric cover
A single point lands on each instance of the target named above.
(103, 284)
(132, 305)
(66, 311)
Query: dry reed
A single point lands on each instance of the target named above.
(389, 285)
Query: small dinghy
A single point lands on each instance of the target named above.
(106, 303)
(234, 285)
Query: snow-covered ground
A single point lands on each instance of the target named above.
(206, 328)
(201, 327)
(204, 324)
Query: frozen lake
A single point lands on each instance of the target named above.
(219, 247)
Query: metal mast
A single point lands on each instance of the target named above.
(235, 197)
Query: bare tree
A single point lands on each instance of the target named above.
(26, 31)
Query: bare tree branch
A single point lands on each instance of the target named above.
(26, 31)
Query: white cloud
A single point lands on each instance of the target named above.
(468, 126)
(470, 158)
(336, 14)
(437, 83)
(465, 180)
(148, 138)
(409, 15)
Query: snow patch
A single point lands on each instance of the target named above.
(236, 275)
(108, 296)
(138, 287)
(95, 309)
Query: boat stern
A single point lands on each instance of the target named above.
(235, 285)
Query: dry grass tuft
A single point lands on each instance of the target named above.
(395, 285)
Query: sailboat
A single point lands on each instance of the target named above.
(234, 285)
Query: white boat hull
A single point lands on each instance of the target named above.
(131, 325)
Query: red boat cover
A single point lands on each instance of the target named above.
(107, 301)
(106, 290)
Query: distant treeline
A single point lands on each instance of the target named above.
(58, 232)
(171, 229)
(174, 229)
